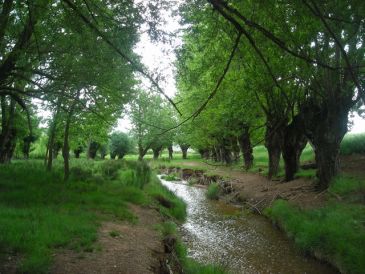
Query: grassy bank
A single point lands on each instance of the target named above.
(39, 212)
(334, 232)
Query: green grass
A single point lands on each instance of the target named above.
(336, 230)
(213, 191)
(174, 207)
(353, 143)
(170, 177)
(40, 212)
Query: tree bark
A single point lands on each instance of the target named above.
(141, 151)
(93, 149)
(51, 138)
(8, 131)
(293, 145)
(66, 146)
(274, 136)
(171, 151)
(325, 127)
(214, 154)
(235, 149)
(156, 152)
(246, 147)
(226, 151)
(184, 149)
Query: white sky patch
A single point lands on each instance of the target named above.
(359, 124)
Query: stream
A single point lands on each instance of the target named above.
(217, 233)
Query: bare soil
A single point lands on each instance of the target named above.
(136, 249)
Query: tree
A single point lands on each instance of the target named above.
(119, 145)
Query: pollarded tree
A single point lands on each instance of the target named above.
(119, 145)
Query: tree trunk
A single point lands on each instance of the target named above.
(141, 151)
(8, 132)
(51, 138)
(246, 147)
(66, 147)
(226, 151)
(214, 154)
(171, 151)
(235, 149)
(156, 152)
(325, 127)
(93, 149)
(293, 145)
(184, 149)
(273, 142)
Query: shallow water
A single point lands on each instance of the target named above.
(243, 243)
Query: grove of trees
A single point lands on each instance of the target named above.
(278, 73)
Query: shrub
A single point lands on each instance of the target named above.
(213, 191)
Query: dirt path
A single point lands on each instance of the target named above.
(136, 249)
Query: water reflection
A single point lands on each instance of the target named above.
(246, 244)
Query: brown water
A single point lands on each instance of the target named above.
(243, 243)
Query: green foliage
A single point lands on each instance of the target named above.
(213, 191)
(353, 143)
(335, 231)
(170, 177)
(119, 145)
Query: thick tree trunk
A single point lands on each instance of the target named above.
(93, 149)
(156, 152)
(27, 141)
(77, 152)
(113, 155)
(325, 127)
(293, 145)
(246, 147)
(274, 136)
(171, 151)
(184, 149)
